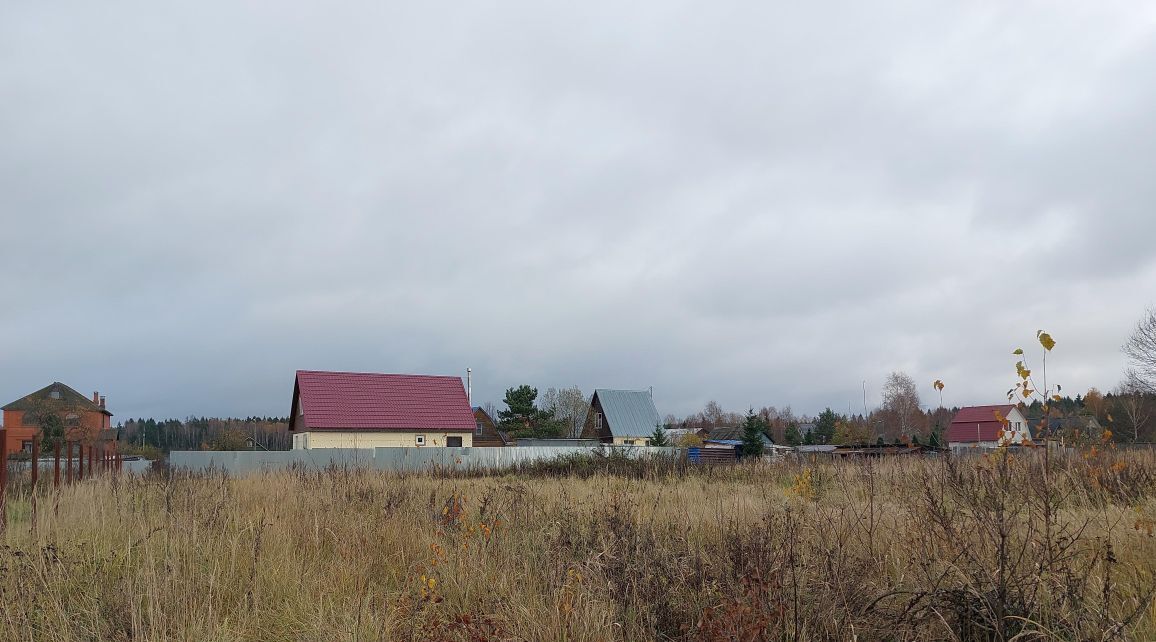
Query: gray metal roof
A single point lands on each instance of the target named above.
(629, 413)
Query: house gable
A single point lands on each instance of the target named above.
(596, 425)
(486, 433)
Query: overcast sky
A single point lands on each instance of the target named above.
(765, 204)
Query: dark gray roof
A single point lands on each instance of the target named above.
(628, 413)
(731, 433)
(1085, 423)
(56, 395)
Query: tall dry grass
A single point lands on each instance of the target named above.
(989, 548)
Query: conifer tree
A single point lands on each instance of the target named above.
(658, 437)
(753, 428)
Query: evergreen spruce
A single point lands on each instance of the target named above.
(753, 428)
(658, 437)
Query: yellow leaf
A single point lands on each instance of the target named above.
(1018, 351)
(1022, 371)
(1046, 340)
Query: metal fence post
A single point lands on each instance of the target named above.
(3, 479)
(35, 461)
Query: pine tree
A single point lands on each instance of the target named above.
(524, 419)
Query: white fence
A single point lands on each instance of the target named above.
(243, 462)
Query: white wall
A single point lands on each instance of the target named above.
(314, 439)
(1018, 427)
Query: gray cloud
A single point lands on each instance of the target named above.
(766, 204)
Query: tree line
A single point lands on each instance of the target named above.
(204, 433)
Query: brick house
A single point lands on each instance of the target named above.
(368, 410)
(86, 420)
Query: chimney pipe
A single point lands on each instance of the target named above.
(102, 401)
(469, 386)
(95, 397)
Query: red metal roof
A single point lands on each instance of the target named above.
(367, 401)
(978, 423)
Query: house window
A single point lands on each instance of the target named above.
(72, 419)
(26, 446)
(421, 440)
(55, 394)
(598, 420)
(478, 429)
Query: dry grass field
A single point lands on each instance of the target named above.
(990, 548)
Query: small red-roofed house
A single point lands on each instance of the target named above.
(988, 427)
(367, 410)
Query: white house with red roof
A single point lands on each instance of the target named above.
(988, 427)
(367, 410)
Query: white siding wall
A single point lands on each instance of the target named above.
(370, 439)
(1017, 426)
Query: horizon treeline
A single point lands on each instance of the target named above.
(205, 433)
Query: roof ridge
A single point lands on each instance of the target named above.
(377, 374)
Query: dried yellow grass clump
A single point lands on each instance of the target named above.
(981, 548)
